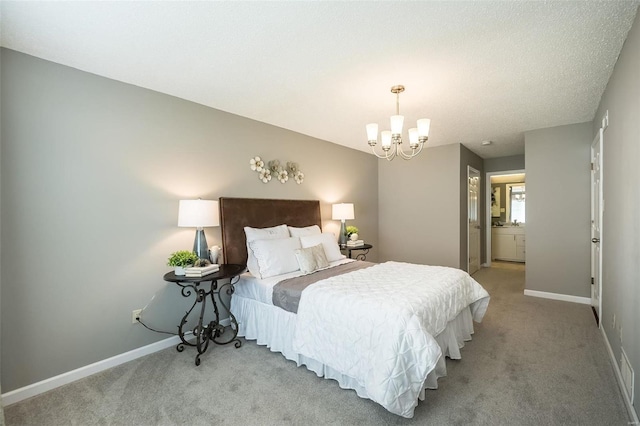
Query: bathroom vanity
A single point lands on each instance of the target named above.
(508, 243)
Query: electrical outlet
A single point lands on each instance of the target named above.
(135, 314)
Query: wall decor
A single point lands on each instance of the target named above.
(274, 168)
(495, 201)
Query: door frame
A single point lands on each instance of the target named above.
(487, 203)
(477, 173)
(599, 138)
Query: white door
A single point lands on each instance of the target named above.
(473, 219)
(597, 208)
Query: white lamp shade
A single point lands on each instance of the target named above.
(386, 138)
(423, 127)
(198, 213)
(396, 124)
(342, 211)
(413, 137)
(372, 132)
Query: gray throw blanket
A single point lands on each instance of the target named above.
(286, 294)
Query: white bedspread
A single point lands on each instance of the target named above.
(377, 325)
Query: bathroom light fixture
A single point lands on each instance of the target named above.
(392, 139)
(198, 214)
(342, 212)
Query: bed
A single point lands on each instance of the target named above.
(383, 330)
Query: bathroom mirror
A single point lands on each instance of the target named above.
(516, 201)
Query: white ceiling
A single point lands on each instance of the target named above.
(480, 70)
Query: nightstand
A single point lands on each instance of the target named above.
(203, 287)
(360, 256)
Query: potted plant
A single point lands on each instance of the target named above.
(181, 259)
(352, 232)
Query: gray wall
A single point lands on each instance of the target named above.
(468, 158)
(419, 207)
(621, 224)
(501, 164)
(91, 174)
(558, 209)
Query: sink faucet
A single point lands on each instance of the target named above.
(515, 222)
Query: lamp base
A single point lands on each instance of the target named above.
(200, 245)
(342, 240)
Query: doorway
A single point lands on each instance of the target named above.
(501, 202)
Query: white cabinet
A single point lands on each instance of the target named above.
(503, 246)
(520, 248)
(508, 243)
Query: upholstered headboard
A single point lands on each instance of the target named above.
(236, 213)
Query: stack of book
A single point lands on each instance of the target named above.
(201, 271)
(355, 243)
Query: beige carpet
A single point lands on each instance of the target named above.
(531, 362)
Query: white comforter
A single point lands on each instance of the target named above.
(376, 325)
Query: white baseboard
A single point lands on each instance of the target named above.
(558, 296)
(627, 402)
(71, 376)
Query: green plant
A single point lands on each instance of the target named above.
(182, 258)
(351, 230)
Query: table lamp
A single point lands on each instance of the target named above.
(199, 214)
(342, 212)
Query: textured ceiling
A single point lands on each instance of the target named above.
(480, 70)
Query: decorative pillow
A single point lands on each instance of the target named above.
(308, 230)
(329, 244)
(275, 256)
(253, 234)
(311, 258)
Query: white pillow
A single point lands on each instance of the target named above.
(308, 230)
(311, 259)
(329, 244)
(253, 234)
(275, 256)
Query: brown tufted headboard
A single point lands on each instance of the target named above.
(236, 213)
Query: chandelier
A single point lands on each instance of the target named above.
(392, 139)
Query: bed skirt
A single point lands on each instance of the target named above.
(274, 327)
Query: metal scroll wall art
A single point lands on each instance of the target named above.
(274, 169)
